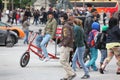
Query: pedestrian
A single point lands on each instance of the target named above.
(0, 15)
(90, 18)
(113, 44)
(49, 34)
(14, 13)
(66, 46)
(80, 47)
(91, 44)
(36, 15)
(102, 44)
(25, 27)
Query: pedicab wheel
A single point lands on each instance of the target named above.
(24, 59)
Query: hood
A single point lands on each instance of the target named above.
(104, 28)
(96, 26)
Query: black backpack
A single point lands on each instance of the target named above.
(99, 41)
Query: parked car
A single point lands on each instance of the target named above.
(5, 26)
(8, 38)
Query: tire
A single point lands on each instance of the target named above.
(10, 41)
(16, 32)
(24, 59)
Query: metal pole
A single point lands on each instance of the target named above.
(83, 3)
(45, 4)
(12, 5)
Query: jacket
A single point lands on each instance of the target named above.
(113, 35)
(51, 26)
(67, 35)
(79, 36)
(25, 25)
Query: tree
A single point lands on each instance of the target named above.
(1, 5)
(21, 3)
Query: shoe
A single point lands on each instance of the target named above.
(118, 73)
(85, 77)
(64, 79)
(95, 69)
(46, 59)
(71, 77)
(101, 71)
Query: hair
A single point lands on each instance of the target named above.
(50, 13)
(71, 18)
(113, 22)
(64, 15)
(78, 22)
(93, 10)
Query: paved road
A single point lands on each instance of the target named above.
(37, 70)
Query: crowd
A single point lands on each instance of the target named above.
(78, 36)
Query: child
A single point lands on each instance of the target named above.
(91, 44)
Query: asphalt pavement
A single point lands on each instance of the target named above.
(36, 69)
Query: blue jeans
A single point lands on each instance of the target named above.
(103, 55)
(79, 52)
(38, 40)
(26, 36)
(45, 40)
(94, 55)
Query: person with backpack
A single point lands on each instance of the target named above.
(91, 44)
(113, 44)
(90, 18)
(100, 43)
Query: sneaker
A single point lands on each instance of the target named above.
(101, 71)
(46, 59)
(95, 69)
(85, 77)
(71, 77)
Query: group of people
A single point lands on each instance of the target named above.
(81, 36)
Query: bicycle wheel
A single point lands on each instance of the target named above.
(24, 59)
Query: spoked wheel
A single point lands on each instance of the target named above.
(24, 59)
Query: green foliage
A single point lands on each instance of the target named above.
(22, 3)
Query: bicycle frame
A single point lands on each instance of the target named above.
(31, 46)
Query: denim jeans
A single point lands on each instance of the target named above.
(38, 40)
(26, 36)
(94, 55)
(79, 52)
(103, 55)
(45, 40)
